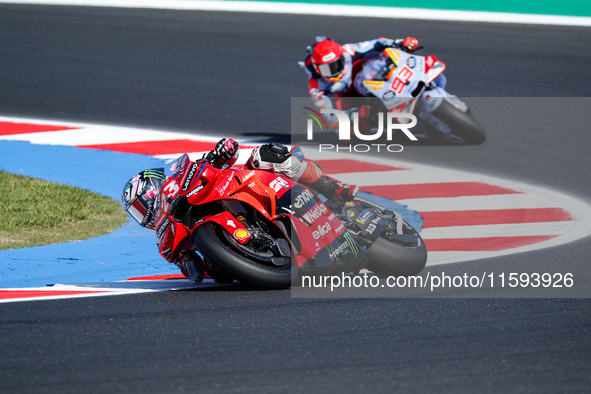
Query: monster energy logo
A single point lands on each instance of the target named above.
(158, 174)
(352, 244)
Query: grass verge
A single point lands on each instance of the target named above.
(35, 212)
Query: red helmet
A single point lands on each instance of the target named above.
(327, 58)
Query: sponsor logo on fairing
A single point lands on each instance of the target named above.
(241, 234)
(195, 191)
(248, 176)
(316, 212)
(162, 229)
(351, 242)
(223, 188)
(190, 177)
(389, 95)
(278, 183)
(364, 216)
(339, 251)
(303, 198)
(322, 231)
(371, 227)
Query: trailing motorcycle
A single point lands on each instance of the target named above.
(406, 82)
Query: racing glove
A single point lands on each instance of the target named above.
(225, 153)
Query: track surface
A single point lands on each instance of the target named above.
(184, 71)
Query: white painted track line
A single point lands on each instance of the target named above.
(499, 201)
(328, 9)
(497, 230)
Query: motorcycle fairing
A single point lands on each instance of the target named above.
(325, 244)
(170, 237)
(398, 86)
(433, 68)
(230, 224)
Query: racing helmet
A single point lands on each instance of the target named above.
(139, 196)
(327, 59)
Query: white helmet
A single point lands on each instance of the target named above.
(139, 195)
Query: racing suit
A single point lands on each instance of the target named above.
(329, 95)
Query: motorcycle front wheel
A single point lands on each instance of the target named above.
(462, 125)
(265, 269)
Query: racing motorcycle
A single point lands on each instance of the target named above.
(262, 229)
(406, 82)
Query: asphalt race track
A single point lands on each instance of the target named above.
(231, 73)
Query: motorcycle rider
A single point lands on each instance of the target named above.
(331, 68)
(140, 193)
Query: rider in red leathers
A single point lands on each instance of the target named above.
(141, 192)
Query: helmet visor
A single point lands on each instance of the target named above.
(138, 210)
(332, 69)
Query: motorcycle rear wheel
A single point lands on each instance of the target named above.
(462, 125)
(239, 262)
(396, 254)
(391, 257)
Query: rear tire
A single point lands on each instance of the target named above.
(212, 243)
(393, 257)
(462, 125)
(388, 258)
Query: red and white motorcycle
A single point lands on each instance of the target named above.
(406, 82)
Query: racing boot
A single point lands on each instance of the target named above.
(191, 265)
(332, 189)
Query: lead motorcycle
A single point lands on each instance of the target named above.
(406, 82)
(262, 229)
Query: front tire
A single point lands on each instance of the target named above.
(213, 244)
(462, 125)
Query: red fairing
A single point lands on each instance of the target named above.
(430, 61)
(200, 184)
(317, 228)
(231, 225)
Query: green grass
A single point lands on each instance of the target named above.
(35, 212)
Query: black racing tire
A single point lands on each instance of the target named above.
(462, 125)
(388, 258)
(211, 243)
(394, 258)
